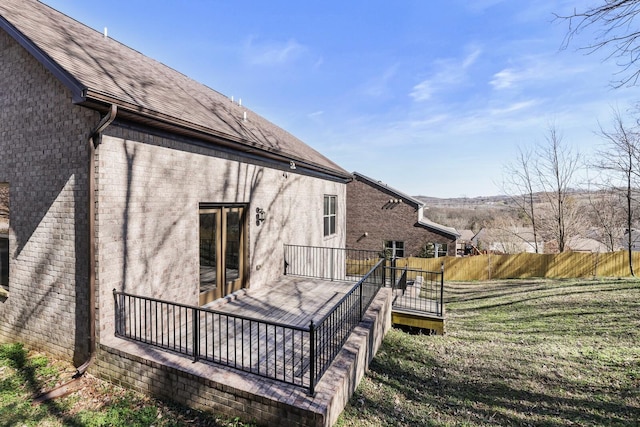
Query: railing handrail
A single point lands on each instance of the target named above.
(415, 270)
(377, 253)
(212, 311)
(348, 294)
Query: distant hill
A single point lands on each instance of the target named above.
(464, 201)
(473, 213)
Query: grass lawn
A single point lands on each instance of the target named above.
(24, 374)
(525, 353)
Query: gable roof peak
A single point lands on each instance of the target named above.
(100, 71)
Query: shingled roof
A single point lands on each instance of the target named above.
(100, 72)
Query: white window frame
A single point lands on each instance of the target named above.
(329, 215)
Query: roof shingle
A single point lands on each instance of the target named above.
(98, 68)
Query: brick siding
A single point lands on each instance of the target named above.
(150, 186)
(370, 211)
(43, 141)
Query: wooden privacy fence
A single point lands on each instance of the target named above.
(526, 265)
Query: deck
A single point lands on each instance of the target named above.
(290, 300)
(284, 353)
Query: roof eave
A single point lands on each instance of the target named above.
(100, 101)
(382, 186)
(442, 229)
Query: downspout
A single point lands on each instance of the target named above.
(95, 139)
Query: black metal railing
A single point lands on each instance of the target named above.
(269, 349)
(417, 290)
(286, 353)
(329, 334)
(328, 263)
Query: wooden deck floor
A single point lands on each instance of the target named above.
(277, 352)
(292, 300)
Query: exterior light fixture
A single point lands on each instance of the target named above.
(260, 216)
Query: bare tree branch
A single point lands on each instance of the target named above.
(616, 31)
(620, 160)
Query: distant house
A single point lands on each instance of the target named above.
(381, 218)
(466, 244)
(510, 240)
(122, 174)
(635, 240)
(585, 244)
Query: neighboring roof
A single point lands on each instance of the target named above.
(444, 229)
(384, 187)
(586, 244)
(100, 71)
(405, 198)
(467, 235)
(525, 234)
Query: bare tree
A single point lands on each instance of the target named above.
(519, 185)
(606, 216)
(556, 167)
(615, 31)
(619, 161)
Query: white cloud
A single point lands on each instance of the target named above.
(379, 86)
(513, 108)
(423, 90)
(450, 72)
(528, 69)
(504, 79)
(272, 52)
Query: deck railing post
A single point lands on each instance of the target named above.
(286, 264)
(441, 308)
(196, 334)
(384, 273)
(117, 311)
(332, 254)
(360, 298)
(312, 358)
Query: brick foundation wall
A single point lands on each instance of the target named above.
(43, 141)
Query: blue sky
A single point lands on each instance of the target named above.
(430, 97)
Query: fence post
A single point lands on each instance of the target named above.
(196, 335)
(312, 358)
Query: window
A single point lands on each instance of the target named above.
(394, 249)
(329, 215)
(4, 236)
(434, 250)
